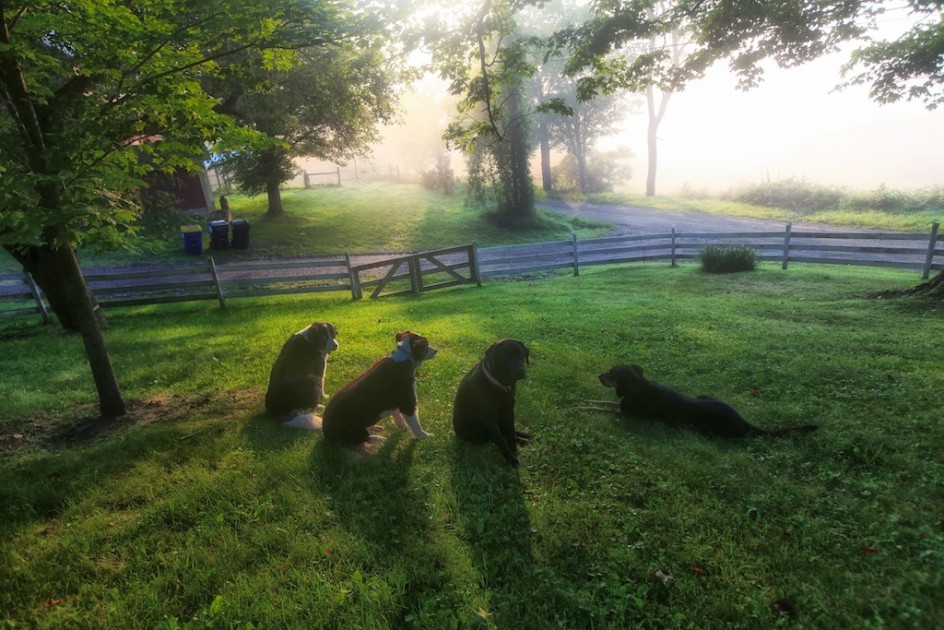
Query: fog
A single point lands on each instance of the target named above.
(715, 137)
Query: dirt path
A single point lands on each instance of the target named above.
(638, 220)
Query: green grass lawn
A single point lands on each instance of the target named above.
(207, 513)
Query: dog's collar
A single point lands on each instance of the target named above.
(494, 381)
(399, 355)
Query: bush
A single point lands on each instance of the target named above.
(604, 170)
(790, 194)
(440, 177)
(727, 258)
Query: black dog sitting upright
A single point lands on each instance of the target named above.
(387, 388)
(640, 397)
(484, 409)
(296, 382)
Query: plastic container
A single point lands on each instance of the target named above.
(219, 235)
(193, 239)
(240, 234)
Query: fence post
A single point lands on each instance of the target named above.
(786, 245)
(353, 278)
(339, 177)
(474, 263)
(931, 244)
(416, 278)
(216, 281)
(307, 180)
(673, 246)
(40, 305)
(573, 242)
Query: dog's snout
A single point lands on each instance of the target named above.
(430, 353)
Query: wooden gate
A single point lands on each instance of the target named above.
(415, 273)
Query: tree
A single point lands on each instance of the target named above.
(485, 59)
(576, 124)
(94, 95)
(747, 33)
(327, 105)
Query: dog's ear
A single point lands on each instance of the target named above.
(400, 335)
(527, 352)
(637, 372)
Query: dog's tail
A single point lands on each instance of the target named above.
(803, 428)
(308, 421)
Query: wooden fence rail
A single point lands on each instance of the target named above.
(468, 264)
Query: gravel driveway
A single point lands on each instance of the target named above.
(637, 220)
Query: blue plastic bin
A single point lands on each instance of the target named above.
(193, 239)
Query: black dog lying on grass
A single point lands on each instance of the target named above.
(484, 408)
(640, 397)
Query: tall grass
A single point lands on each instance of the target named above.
(803, 201)
(206, 513)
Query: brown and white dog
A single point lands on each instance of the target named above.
(296, 381)
(640, 397)
(387, 388)
(484, 409)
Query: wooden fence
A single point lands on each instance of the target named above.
(468, 264)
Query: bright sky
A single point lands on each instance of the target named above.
(714, 136)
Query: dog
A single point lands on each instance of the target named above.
(296, 381)
(484, 408)
(387, 388)
(640, 397)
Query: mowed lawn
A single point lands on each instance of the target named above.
(206, 513)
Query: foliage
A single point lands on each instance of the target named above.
(603, 170)
(804, 197)
(113, 100)
(440, 177)
(485, 58)
(327, 104)
(910, 67)
(790, 194)
(746, 33)
(727, 258)
(191, 516)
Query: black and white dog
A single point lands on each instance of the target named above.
(640, 397)
(484, 408)
(296, 382)
(387, 388)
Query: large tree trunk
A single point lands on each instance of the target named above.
(56, 271)
(521, 203)
(545, 141)
(275, 199)
(652, 138)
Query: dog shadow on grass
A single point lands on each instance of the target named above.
(490, 508)
(372, 493)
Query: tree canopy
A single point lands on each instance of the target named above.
(328, 104)
(96, 94)
(747, 33)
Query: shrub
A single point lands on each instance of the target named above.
(440, 177)
(727, 258)
(790, 194)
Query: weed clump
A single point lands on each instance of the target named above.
(727, 258)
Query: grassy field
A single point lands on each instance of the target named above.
(205, 513)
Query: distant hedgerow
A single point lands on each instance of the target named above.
(727, 258)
